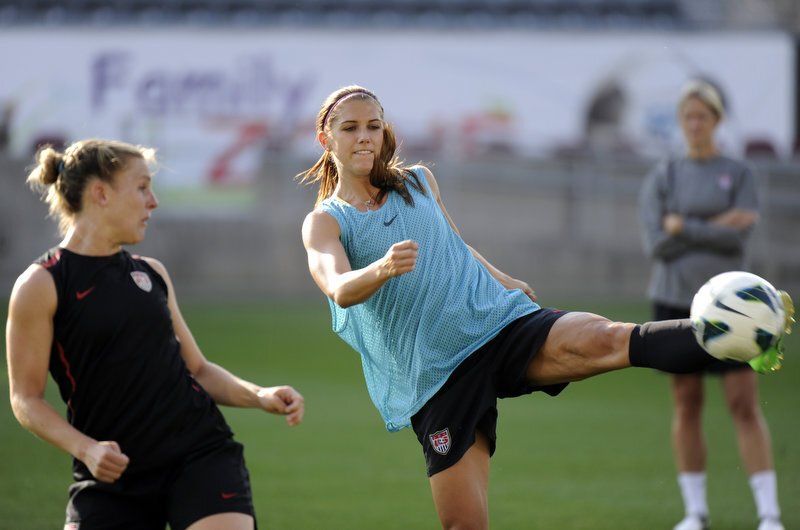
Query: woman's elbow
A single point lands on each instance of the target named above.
(345, 297)
(20, 406)
(342, 300)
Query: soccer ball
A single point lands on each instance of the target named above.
(737, 316)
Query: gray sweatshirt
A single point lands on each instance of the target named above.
(697, 190)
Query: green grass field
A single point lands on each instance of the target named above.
(597, 457)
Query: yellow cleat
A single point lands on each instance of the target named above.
(788, 310)
(772, 359)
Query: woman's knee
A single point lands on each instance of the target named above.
(687, 391)
(581, 345)
(744, 408)
(741, 396)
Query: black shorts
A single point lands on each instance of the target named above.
(718, 367)
(204, 483)
(446, 424)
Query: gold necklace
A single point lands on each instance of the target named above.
(368, 204)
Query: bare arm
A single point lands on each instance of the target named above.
(223, 386)
(29, 336)
(507, 281)
(331, 270)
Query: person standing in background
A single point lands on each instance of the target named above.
(697, 213)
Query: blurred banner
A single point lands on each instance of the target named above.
(215, 102)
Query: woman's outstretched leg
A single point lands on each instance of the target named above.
(582, 345)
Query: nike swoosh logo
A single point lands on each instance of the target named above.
(226, 496)
(390, 221)
(727, 308)
(80, 295)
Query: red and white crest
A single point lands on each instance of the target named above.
(72, 526)
(440, 441)
(142, 281)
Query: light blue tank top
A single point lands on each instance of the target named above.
(418, 327)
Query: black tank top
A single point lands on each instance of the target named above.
(117, 362)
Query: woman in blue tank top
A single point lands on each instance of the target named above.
(442, 333)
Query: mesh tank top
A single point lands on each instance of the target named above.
(418, 327)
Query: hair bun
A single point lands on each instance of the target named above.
(51, 164)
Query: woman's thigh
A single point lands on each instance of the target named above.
(581, 345)
(461, 491)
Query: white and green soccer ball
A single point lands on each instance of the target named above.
(737, 316)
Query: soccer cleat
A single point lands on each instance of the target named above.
(693, 522)
(770, 524)
(771, 359)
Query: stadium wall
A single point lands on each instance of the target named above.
(539, 139)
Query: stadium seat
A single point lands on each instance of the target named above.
(760, 148)
(443, 13)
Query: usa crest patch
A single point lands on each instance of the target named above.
(440, 441)
(142, 280)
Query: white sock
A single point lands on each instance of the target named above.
(693, 490)
(765, 492)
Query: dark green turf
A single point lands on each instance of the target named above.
(597, 457)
